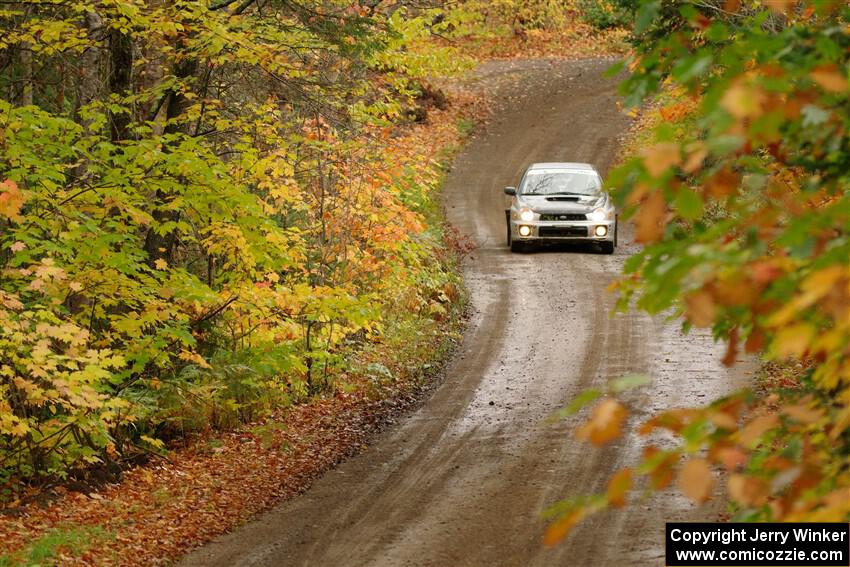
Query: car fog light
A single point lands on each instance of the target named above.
(601, 230)
(524, 230)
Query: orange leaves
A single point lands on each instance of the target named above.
(722, 184)
(11, 200)
(744, 100)
(618, 486)
(830, 78)
(605, 423)
(558, 530)
(650, 218)
(696, 480)
(753, 431)
(748, 490)
(660, 157)
(701, 308)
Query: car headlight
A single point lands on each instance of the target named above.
(598, 215)
(526, 214)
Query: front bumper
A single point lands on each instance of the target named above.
(563, 231)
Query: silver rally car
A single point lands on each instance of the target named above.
(560, 202)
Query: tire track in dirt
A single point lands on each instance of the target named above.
(462, 481)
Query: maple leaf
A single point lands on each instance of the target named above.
(160, 264)
(11, 200)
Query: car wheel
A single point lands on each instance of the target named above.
(607, 247)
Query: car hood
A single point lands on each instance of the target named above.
(540, 203)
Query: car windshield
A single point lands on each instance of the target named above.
(560, 182)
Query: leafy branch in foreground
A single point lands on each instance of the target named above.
(745, 218)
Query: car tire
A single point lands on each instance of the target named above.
(607, 247)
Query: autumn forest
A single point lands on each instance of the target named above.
(223, 220)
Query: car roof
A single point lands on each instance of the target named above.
(562, 165)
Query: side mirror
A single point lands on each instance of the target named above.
(510, 191)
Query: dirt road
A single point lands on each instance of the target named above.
(463, 480)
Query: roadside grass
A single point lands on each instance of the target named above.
(57, 545)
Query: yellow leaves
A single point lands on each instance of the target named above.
(743, 100)
(815, 286)
(11, 200)
(696, 480)
(830, 78)
(660, 157)
(618, 486)
(160, 264)
(793, 340)
(605, 423)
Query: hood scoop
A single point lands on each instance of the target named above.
(563, 198)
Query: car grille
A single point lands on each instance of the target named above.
(562, 231)
(563, 216)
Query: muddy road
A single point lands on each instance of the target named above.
(463, 480)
